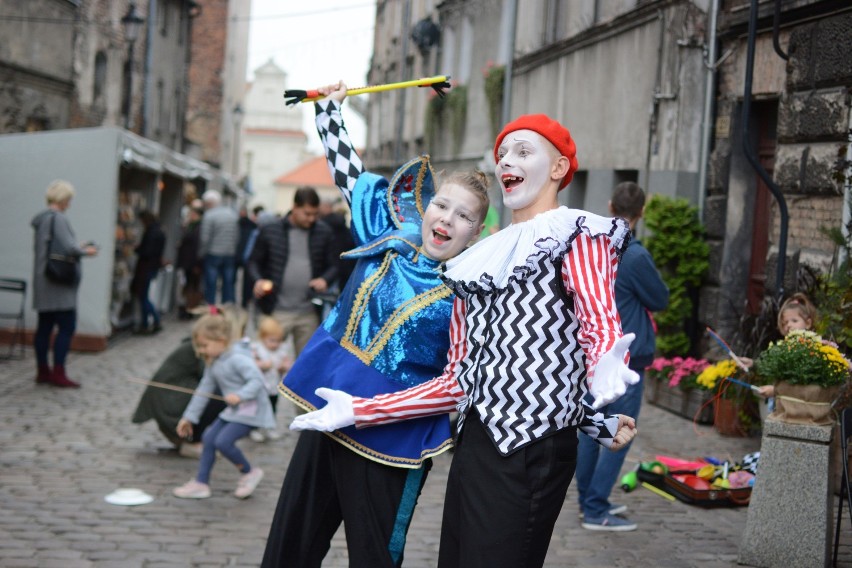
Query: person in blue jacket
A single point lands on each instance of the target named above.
(639, 290)
(389, 330)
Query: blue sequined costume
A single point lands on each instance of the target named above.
(390, 327)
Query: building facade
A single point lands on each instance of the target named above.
(653, 91)
(798, 130)
(96, 92)
(217, 82)
(37, 78)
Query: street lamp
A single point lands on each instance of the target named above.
(132, 24)
(237, 114)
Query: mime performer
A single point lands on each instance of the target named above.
(534, 328)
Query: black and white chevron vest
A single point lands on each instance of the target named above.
(524, 371)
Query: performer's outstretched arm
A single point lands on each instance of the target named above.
(344, 163)
(438, 396)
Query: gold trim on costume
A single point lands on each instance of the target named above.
(402, 314)
(424, 167)
(362, 450)
(359, 304)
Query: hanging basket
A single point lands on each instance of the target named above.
(805, 404)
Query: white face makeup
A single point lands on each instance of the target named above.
(524, 162)
(450, 222)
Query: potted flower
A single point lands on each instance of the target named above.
(809, 373)
(671, 383)
(733, 408)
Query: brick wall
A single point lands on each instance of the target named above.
(204, 111)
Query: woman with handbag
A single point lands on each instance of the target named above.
(56, 278)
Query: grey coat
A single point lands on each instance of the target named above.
(49, 296)
(220, 231)
(234, 371)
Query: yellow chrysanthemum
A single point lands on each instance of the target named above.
(711, 375)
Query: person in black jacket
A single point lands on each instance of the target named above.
(343, 239)
(189, 262)
(149, 255)
(247, 225)
(293, 260)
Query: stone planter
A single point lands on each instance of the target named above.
(692, 404)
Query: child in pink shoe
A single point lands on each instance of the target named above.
(230, 370)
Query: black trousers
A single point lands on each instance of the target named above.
(326, 484)
(499, 511)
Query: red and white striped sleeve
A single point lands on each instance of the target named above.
(438, 396)
(588, 272)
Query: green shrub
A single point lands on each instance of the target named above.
(681, 255)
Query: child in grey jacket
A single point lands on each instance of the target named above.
(231, 370)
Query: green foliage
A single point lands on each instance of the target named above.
(494, 77)
(681, 255)
(803, 358)
(447, 113)
(833, 293)
(457, 109)
(434, 120)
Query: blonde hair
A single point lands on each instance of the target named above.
(59, 191)
(212, 326)
(475, 182)
(269, 327)
(223, 323)
(802, 305)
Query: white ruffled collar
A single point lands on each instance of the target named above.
(511, 252)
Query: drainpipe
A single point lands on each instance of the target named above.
(707, 115)
(776, 23)
(653, 112)
(506, 105)
(752, 157)
(847, 190)
(150, 29)
(403, 65)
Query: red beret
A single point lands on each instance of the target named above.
(554, 132)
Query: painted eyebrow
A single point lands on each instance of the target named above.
(515, 141)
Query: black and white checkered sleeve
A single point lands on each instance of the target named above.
(344, 163)
(599, 426)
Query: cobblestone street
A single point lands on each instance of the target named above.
(62, 451)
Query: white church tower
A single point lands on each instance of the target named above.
(273, 138)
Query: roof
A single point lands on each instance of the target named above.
(314, 172)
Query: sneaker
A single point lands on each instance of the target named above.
(257, 435)
(273, 434)
(608, 523)
(613, 510)
(192, 490)
(248, 482)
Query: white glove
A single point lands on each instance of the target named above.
(611, 375)
(337, 414)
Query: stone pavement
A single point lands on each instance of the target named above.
(62, 451)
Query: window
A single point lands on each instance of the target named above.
(173, 121)
(553, 11)
(100, 76)
(35, 124)
(163, 17)
(159, 111)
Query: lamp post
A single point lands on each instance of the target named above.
(132, 24)
(237, 114)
